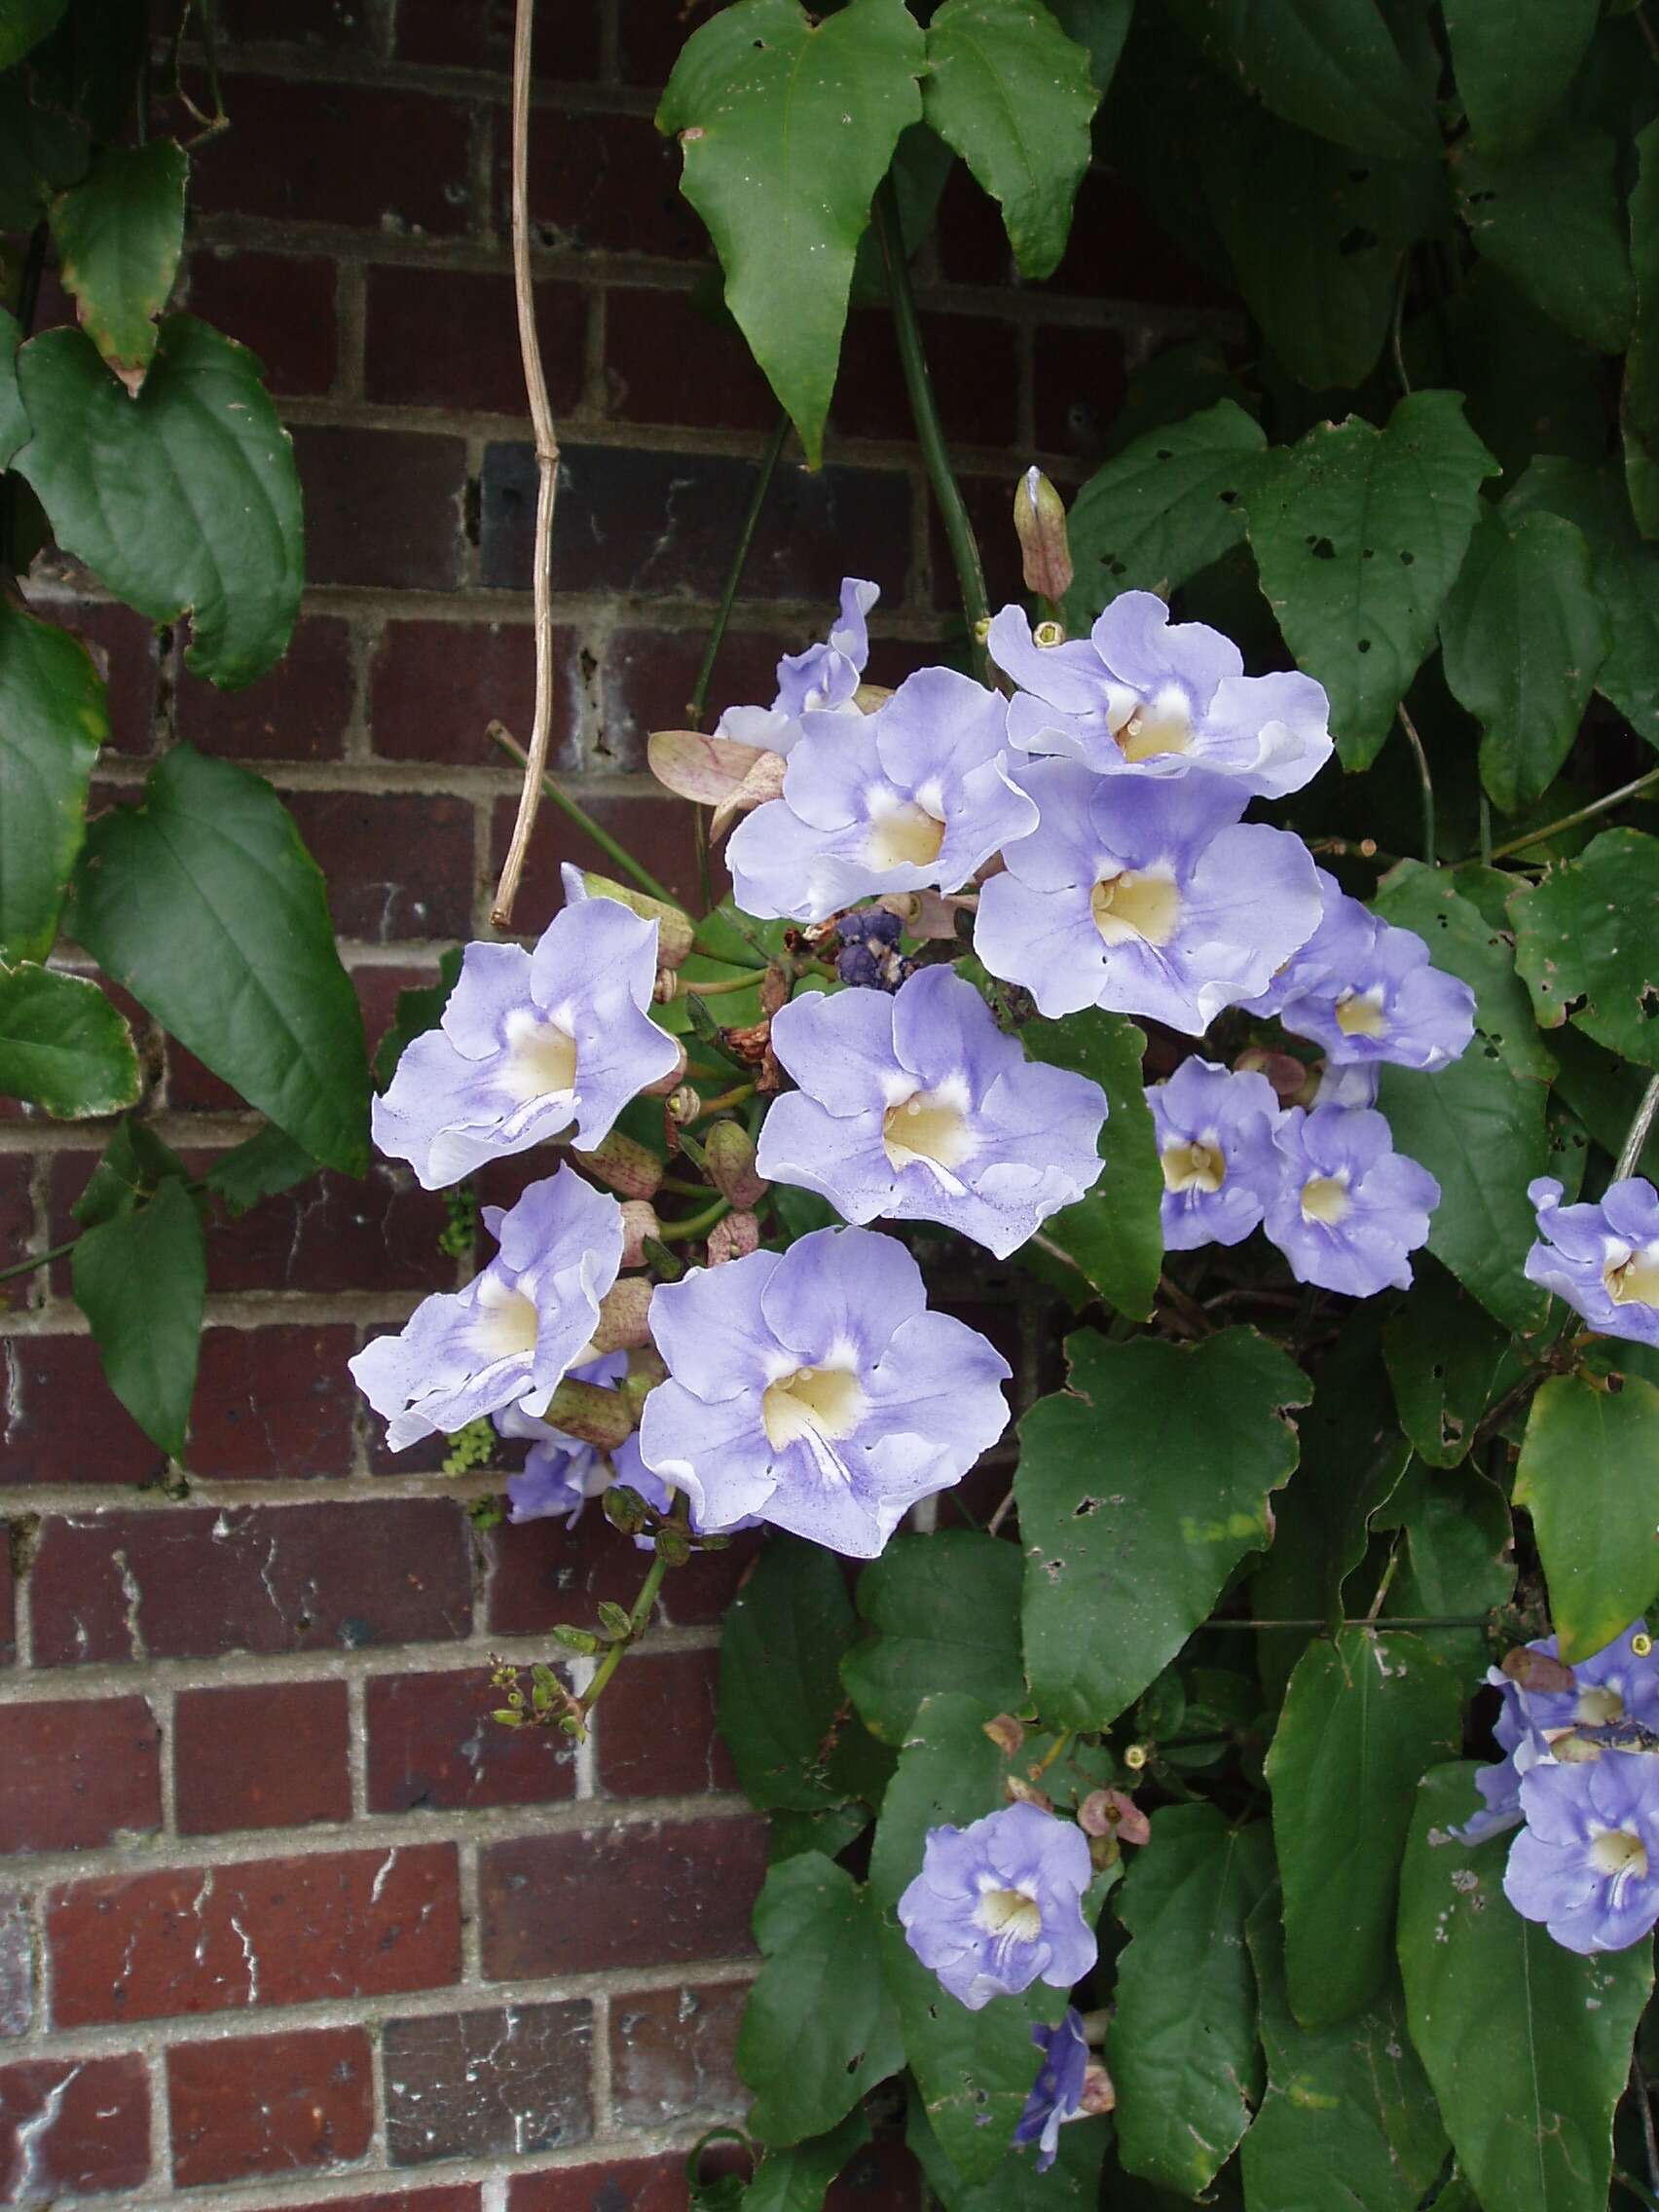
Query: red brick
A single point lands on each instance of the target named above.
(271, 1755)
(433, 1748)
(97, 2136)
(339, 154)
(1118, 251)
(282, 304)
(276, 1404)
(79, 1771)
(398, 863)
(656, 1727)
(974, 366)
(546, 1572)
(335, 1234)
(17, 1964)
(483, 2084)
(124, 645)
(673, 2053)
(7, 1598)
(65, 1423)
(382, 507)
(299, 711)
(269, 2104)
(656, 829)
(609, 183)
(646, 677)
(449, 338)
(990, 501)
(649, 1894)
(435, 688)
(261, 1578)
(460, 2197)
(623, 2185)
(1081, 382)
(273, 1931)
(665, 361)
(17, 1223)
(340, 25)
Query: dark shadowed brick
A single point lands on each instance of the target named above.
(546, 1572)
(398, 863)
(78, 1772)
(609, 183)
(433, 1747)
(435, 688)
(16, 1222)
(267, 1756)
(7, 1598)
(971, 245)
(672, 2052)
(990, 501)
(646, 677)
(124, 645)
(1118, 251)
(71, 2125)
(656, 1727)
(974, 366)
(449, 338)
(618, 2184)
(339, 154)
(665, 361)
(299, 711)
(339, 25)
(480, 2084)
(282, 304)
(1080, 388)
(655, 828)
(17, 1964)
(269, 2104)
(382, 507)
(480, 36)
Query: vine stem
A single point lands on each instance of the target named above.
(547, 477)
(1424, 779)
(585, 822)
(695, 1225)
(715, 990)
(637, 1621)
(1636, 1136)
(40, 1260)
(1578, 815)
(930, 432)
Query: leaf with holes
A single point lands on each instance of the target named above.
(1328, 65)
(53, 720)
(1115, 1234)
(119, 235)
(62, 1046)
(945, 1611)
(1513, 59)
(1589, 1477)
(796, 2180)
(141, 1279)
(1553, 221)
(1584, 939)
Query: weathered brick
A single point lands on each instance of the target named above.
(481, 2085)
(619, 2185)
(277, 1402)
(271, 1931)
(382, 507)
(606, 183)
(547, 1571)
(124, 645)
(299, 711)
(8, 1595)
(79, 1771)
(1080, 385)
(656, 1893)
(72, 2126)
(335, 1234)
(269, 2104)
(17, 1964)
(656, 1727)
(435, 688)
(281, 303)
(646, 676)
(665, 361)
(974, 370)
(339, 154)
(263, 1578)
(459, 2196)
(65, 1423)
(673, 2053)
(655, 828)
(17, 1223)
(449, 338)
(399, 864)
(433, 1747)
(266, 1755)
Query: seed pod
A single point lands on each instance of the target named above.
(624, 1317)
(674, 926)
(734, 1239)
(638, 1221)
(622, 1166)
(728, 1152)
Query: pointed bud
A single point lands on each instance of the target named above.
(593, 1416)
(1040, 524)
(624, 1321)
(622, 1166)
(638, 1221)
(734, 1239)
(728, 1152)
(673, 927)
(625, 1509)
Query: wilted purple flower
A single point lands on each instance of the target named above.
(813, 1388)
(1615, 1683)
(919, 1107)
(824, 679)
(1349, 1208)
(1057, 2095)
(562, 1472)
(1587, 1861)
(1215, 1143)
(517, 1329)
(532, 1047)
(1146, 898)
(909, 799)
(999, 1905)
(1148, 697)
(1602, 1259)
(869, 957)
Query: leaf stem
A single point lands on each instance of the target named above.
(637, 1620)
(930, 433)
(1578, 815)
(1424, 779)
(585, 822)
(40, 1260)
(695, 1225)
(735, 1096)
(749, 982)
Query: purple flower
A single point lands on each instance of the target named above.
(1147, 898)
(532, 1047)
(869, 957)
(919, 1107)
(1602, 1259)
(813, 1388)
(1366, 991)
(517, 1329)
(1057, 2095)
(1349, 1208)
(1215, 1142)
(999, 1905)
(1146, 697)
(909, 799)
(1587, 1861)
(1615, 1683)
(825, 678)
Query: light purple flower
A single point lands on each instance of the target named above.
(913, 797)
(1215, 1143)
(1615, 1683)
(824, 679)
(1354, 1085)
(813, 1388)
(1366, 991)
(1147, 898)
(517, 1329)
(1148, 697)
(999, 1905)
(1057, 2095)
(1602, 1259)
(1349, 1208)
(532, 1047)
(1587, 1861)
(916, 1107)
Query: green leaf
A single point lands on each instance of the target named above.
(819, 2028)
(1099, 28)
(796, 2180)
(141, 1278)
(786, 126)
(53, 720)
(119, 235)
(205, 904)
(1524, 634)
(785, 1717)
(1071, 2184)
(262, 1166)
(1513, 59)
(1640, 410)
(40, 152)
(1478, 1126)
(14, 423)
(1166, 507)
(1589, 1476)
(1359, 535)
(1553, 221)
(136, 1162)
(1348, 2118)
(1364, 1715)
(1626, 576)
(945, 1611)
(1327, 65)
(1181, 2048)
(1458, 1559)
(62, 1044)
(183, 499)
(418, 1009)
(1448, 1362)
(1583, 942)
(1014, 94)
(1141, 1487)
(827, 1833)
(975, 2068)
(24, 23)
(1114, 1233)
(1527, 2045)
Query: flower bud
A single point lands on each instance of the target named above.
(625, 1509)
(1536, 1670)
(728, 1155)
(1108, 1812)
(666, 1085)
(734, 1239)
(638, 1221)
(1007, 1733)
(1040, 524)
(622, 1166)
(686, 1103)
(673, 927)
(646, 1368)
(624, 1321)
(1294, 1083)
(593, 1416)
(1098, 2094)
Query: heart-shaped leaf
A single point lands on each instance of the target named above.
(52, 722)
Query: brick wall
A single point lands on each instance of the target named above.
(283, 1920)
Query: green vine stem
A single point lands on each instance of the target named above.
(1578, 815)
(1424, 779)
(695, 1225)
(585, 822)
(637, 1620)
